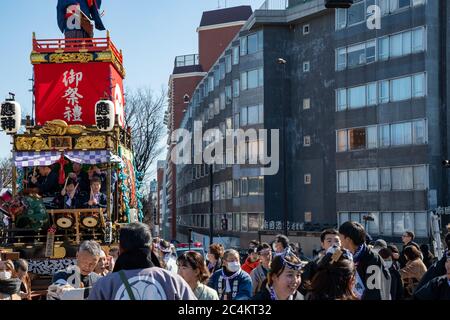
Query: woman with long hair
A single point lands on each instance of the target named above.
(192, 268)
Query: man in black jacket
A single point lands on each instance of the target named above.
(408, 240)
(437, 269)
(372, 278)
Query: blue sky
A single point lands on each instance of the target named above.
(150, 33)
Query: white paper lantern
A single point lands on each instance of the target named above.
(104, 115)
(10, 116)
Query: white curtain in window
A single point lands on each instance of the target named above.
(409, 221)
(372, 177)
(386, 226)
(372, 137)
(398, 222)
(385, 136)
(385, 179)
(384, 91)
(342, 181)
(374, 226)
(418, 40)
(420, 178)
(341, 99)
(342, 140)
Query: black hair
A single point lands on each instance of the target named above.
(263, 246)
(385, 253)
(327, 232)
(353, 230)
(135, 236)
(283, 240)
(410, 234)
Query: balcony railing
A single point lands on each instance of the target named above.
(76, 45)
(187, 60)
(281, 4)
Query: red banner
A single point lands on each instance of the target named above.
(70, 91)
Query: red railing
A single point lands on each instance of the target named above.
(76, 45)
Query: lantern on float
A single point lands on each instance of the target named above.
(104, 115)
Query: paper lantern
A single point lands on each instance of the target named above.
(104, 115)
(10, 116)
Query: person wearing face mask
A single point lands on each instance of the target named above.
(281, 245)
(397, 288)
(9, 282)
(215, 255)
(283, 279)
(231, 283)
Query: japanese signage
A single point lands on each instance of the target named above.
(104, 115)
(10, 116)
(70, 91)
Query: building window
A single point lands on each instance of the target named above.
(307, 141)
(308, 217)
(252, 43)
(236, 88)
(307, 178)
(222, 100)
(244, 187)
(357, 13)
(252, 79)
(306, 66)
(306, 29)
(235, 55)
(228, 95)
(384, 91)
(236, 188)
(228, 63)
(306, 104)
(255, 186)
(252, 115)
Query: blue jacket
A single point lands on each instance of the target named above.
(91, 12)
(243, 281)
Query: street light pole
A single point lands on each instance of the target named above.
(211, 204)
(283, 62)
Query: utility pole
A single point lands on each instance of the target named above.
(211, 205)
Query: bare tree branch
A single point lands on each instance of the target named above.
(144, 114)
(6, 173)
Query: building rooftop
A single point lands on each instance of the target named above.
(240, 13)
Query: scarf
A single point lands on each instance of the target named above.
(10, 286)
(227, 282)
(141, 258)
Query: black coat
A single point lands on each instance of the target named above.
(307, 275)
(10, 286)
(397, 288)
(48, 185)
(436, 270)
(366, 259)
(436, 289)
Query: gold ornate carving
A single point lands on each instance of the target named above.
(104, 56)
(91, 142)
(76, 129)
(71, 57)
(31, 143)
(38, 58)
(54, 127)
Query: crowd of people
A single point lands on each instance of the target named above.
(348, 267)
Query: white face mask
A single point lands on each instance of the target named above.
(388, 263)
(5, 275)
(233, 266)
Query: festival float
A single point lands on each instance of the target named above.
(78, 118)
